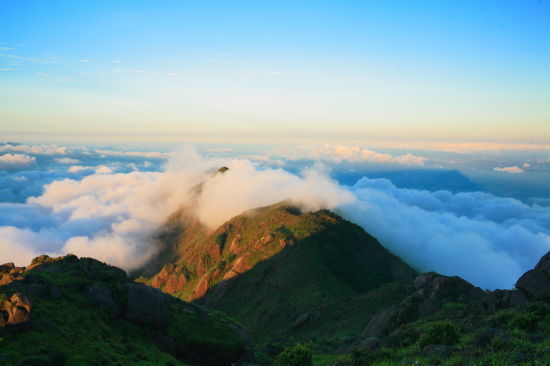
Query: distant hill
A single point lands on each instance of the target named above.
(281, 272)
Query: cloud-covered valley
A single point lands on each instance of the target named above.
(108, 204)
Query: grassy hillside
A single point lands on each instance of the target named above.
(83, 312)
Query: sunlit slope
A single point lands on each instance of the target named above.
(282, 272)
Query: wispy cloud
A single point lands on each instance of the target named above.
(84, 60)
(117, 61)
(7, 68)
(509, 169)
(52, 77)
(49, 60)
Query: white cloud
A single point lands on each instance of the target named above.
(67, 160)
(339, 153)
(79, 168)
(509, 169)
(141, 154)
(10, 161)
(487, 240)
(35, 149)
(103, 169)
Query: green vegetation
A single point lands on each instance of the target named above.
(298, 355)
(69, 327)
(440, 333)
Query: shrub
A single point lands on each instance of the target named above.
(440, 333)
(525, 321)
(404, 337)
(299, 355)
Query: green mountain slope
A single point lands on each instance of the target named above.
(70, 311)
(282, 273)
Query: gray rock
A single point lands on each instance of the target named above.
(370, 343)
(382, 322)
(536, 283)
(544, 263)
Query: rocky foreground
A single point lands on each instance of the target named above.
(83, 312)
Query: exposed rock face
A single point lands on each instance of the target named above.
(202, 288)
(171, 279)
(536, 282)
(15, 310)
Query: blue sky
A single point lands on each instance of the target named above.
(275, 72)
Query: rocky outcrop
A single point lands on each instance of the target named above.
(171, 279)
(14, 310)
(536, 282)
(431, 292)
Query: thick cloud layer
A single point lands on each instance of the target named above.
(107, 205)
(487, 240)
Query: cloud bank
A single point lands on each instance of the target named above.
(110, 210)
(14, 161)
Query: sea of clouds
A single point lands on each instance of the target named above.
(108, 204)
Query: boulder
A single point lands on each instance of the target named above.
(544, 263)
(15, 310)
(382, 322)
(6, 268)
(536, 282)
